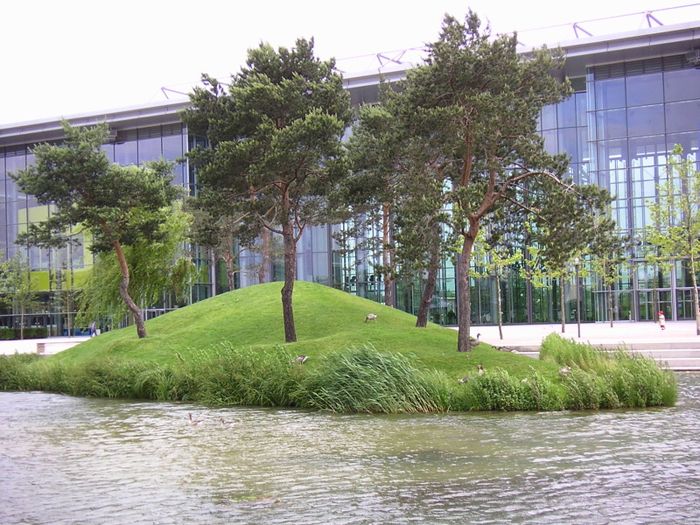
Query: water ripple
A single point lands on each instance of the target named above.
(86, 461)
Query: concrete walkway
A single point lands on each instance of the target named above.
(48, 346)
(677, 345)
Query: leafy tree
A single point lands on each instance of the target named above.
(120, 205)
(609, 255)
(573, 221)
(493, 257)
(398, 169)
(376, 147)
(675, 233)
(159, 269)
(422, 242)
(487, 98)
(16, 288)
(275, 149)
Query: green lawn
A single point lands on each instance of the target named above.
(326, 320)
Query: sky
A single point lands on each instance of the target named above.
(68, 57)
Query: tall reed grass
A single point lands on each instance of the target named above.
(601, 379)
(364, 380)
(355, 380)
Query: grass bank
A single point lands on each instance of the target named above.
(226, 351)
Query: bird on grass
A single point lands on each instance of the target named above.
(480, 369)
(564, 371)
(301, 359)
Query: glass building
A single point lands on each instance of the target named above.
(636, 95)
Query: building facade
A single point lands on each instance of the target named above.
(636, 96)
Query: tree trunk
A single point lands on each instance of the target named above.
(265, 256)
(21, 322)
(429, 290)
(229, 261)
(124, 291)
(696, 299)
(499, 312)
(562, 305)
(464, 293)
(611, 306)
(387, 257)
(290, 267)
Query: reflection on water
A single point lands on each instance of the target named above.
(71, 460)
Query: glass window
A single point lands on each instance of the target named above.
(645, 120)
(125, 149)
(644, 89)
(683, 116)
(610, 93)
(581, 108)
(109, 151)
(149, 144)
(611, 124)
(648, 150)
(549, 117)
(690, 143)
(566, 113)
(682, 84)
(584, 147)
(612, 155)
(14, 161)
(568, 139)
(550, 141)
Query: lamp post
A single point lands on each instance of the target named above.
(577, 262)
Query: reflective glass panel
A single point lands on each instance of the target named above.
(149, 144)
(645, 120)
(611, 124)
(566, 113)
(549, 117)
(682, 85)
(683, 116)
(644, 89)
(610, 93)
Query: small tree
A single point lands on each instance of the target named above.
(16, 288)
(494, 257)
(157, 269)
(675, 213)
(120, 205)
(566, 229)
(609, 255)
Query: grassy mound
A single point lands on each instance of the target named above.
(228, 350)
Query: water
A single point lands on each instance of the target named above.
(88, 461)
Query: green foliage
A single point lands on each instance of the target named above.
(16, 288)
(385, 366)
(116, 203)
(157, 267)
(119, 205)
(364, 380)
(675, 233)
(599, 379)
(15, 372)
(236, 376)
(499, 390)
(274, 149)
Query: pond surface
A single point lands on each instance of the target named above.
(93, 461)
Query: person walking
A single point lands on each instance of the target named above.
(662, 320)
(93, 329)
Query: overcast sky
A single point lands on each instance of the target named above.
(66, 57)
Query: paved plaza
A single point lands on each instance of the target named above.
(678, 334)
